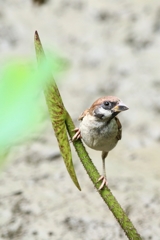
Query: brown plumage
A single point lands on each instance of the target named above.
(100, 128)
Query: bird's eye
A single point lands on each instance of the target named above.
(106, 103)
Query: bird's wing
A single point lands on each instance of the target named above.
(119, 134)
(83, 114)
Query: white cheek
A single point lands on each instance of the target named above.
(106, 113)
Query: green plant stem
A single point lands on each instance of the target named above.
(105, 193)
(57, 112)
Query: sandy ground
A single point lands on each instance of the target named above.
(114, 49)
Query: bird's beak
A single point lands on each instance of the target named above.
(119, 107)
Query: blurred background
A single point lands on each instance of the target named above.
(113, 48)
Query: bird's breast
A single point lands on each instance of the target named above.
(98, 134)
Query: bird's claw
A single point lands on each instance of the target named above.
(77, 134)
(104, 182)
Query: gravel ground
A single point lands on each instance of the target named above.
(113, 48)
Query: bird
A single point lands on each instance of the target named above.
(100, 128)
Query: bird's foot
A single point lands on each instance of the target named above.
(104, 182)
(77, 134)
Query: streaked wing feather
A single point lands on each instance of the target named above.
(119, 134)
(83, 114)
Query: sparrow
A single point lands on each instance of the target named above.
(100, 129)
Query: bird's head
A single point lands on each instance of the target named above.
(107, 107)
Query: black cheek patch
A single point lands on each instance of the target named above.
(98, 114)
